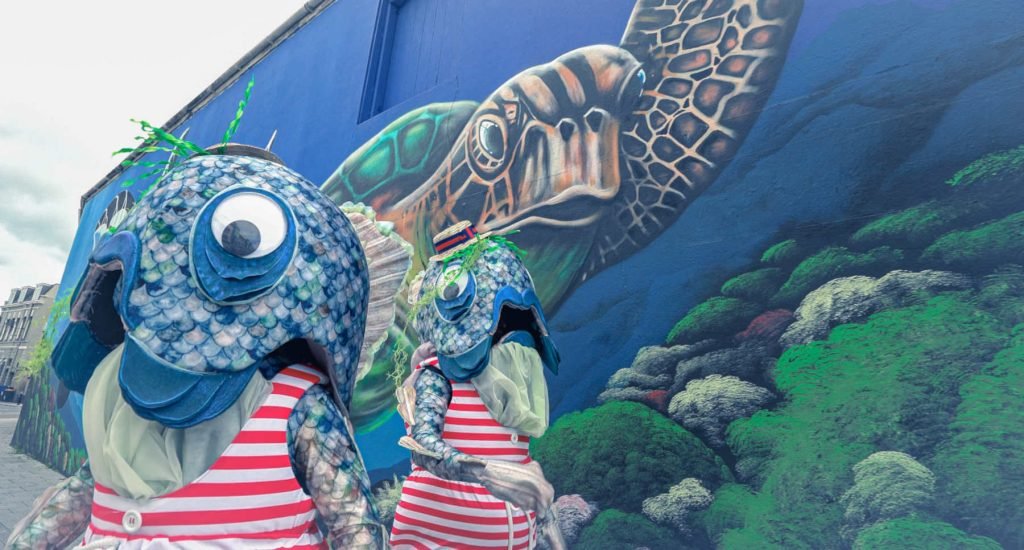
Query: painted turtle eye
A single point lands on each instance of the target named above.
(491, 139)
(634, 87)
(249, 225)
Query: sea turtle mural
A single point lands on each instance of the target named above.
(590, 156)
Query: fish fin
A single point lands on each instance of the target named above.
(388, 258)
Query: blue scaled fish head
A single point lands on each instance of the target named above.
(474, 309)
(232, 264)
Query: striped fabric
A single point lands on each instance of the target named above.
(248, 499)
(437, 513)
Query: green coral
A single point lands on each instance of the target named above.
(785, 253)
(755, 286)
(890, 383)
(915, 227)
(617, 530)
(716, 317)
(913, 533)
(887, 485)
(983, 247)
(996, 166)
(831, 263)
(620, 453)
(980, 468)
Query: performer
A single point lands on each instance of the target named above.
(217, 337)
(473, 403)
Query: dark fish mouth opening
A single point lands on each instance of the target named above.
(513, 318)
(297, 351)
(94, 305)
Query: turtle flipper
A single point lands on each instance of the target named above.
(401, 157)
(710, 67)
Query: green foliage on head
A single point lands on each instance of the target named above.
(155, 139)
(620, 453)
(421, 296)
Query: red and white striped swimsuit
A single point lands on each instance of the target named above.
(248, 499)
(437, 513)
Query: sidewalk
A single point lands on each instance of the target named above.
(22, 479)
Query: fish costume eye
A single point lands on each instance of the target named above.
(249, 225)
(242, 243)
(456, 289)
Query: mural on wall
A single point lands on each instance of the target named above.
(589, 157)
(824, 350)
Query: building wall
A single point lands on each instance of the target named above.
(848, 281)
(22, 320)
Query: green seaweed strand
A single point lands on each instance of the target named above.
(158, 140)
(233, 126)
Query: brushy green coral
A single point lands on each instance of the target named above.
(890, 383)
(781, 254)
(754, 286)
(616, 530)
(676, 507)
(833, 262)
(620, 453)
(716, 317)
(987, 246)
(995, 166)
(981, 467)
(919, 534)
(915, 227)
(886, 485)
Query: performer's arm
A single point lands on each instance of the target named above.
(59, 517)
(433, 393)
(328, 465)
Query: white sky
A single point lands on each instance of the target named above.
(71, 75)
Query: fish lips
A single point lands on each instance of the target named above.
(177, 398)
(514, 311)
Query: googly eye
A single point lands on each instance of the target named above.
(452, 282)
(249, 225)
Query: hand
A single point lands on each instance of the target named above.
(425, 351)
(522, 485)
(549, 534)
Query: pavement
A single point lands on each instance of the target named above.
(22, 479)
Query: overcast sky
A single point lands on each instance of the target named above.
(71, 75)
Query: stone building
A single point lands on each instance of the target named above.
(22, 319)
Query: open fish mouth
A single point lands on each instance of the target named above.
(514, 318)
